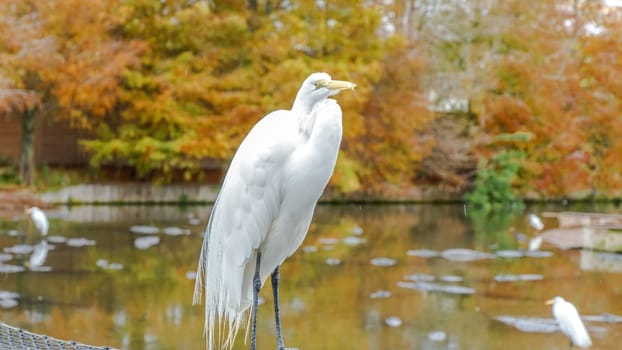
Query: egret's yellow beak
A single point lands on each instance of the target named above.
(549, 302)
(337, 85)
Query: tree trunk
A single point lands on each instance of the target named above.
(27, 154)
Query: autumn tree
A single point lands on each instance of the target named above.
(552, 83)
(212, 69)
(70, 64)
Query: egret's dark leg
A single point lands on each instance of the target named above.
(275, 277)
(256, 288)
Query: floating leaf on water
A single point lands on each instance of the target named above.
(14, 233)
(380, 294)
(191, 275)
(146, 242)
(435, 287)
(421, 277)
(393, 321)
(357, 230)
(383, 262)
(328, 241)
(309, 249)
(510, 254)
(5, 294)
(297, 304)
(333, 261)
(451, 289)
(531, 277)
(5, 257)
(437, 336)
(21, 249)
(104, 264)
(144, 229)
(175, 231)
(57, 239)
(451, 278)
(41, 268)
(423, 253)
(462, 254)
(539, 254)
(607, 318)
(506, 278)
(516, 278)
(11, 268)
(8, 303)
(115, 266)
(530, 324)
(80, 242)
(353, 240)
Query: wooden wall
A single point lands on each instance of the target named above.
(55, 143)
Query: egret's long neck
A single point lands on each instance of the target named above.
(302, 109)
(303, 105)
(326, 130)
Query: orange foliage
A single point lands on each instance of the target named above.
(560, 82)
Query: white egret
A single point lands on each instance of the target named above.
(570, 323)
(265, 205)
(39, 220)
(536, 222)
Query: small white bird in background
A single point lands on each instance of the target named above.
(570, 323)
(265, 206)
(39, 220)
(536, 222)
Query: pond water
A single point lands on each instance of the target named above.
(366, 277)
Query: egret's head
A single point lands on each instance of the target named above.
(317, 87)
(554, 300)
(30, 210)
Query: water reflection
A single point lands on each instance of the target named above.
(367, 277)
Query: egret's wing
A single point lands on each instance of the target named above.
(241, 218)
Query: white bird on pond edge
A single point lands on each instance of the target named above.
(570, 323)
(264, 208)
(536, 222)
(39, 220)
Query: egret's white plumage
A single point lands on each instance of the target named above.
(266, 202)
(569, 322)
(39, 220)
(536, 222)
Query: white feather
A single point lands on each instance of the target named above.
(265, 204)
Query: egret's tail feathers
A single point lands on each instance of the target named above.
(223, 308)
